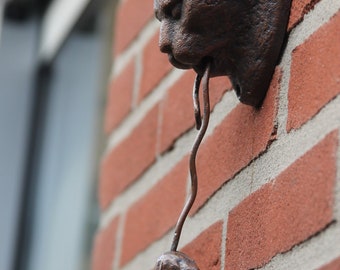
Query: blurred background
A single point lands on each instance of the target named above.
(55, 56)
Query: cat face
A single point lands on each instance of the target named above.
(240, 38)
(193, 31)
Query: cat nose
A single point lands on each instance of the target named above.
(165, 39)
(165, 47)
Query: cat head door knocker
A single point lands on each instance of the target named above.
(241, 39)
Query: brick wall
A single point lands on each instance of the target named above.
(269, 180)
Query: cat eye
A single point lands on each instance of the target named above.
(176, 11)
(170, 9)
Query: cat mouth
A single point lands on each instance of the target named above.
(178, 64)
(199, 66)
(216, 67)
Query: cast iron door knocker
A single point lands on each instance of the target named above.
(241, 39)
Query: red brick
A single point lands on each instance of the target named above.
(334, 265)
(131, 17)
(129, 159)
(206, 248)
(241, 137)
(104, 247)
(120, 98)
(178, 112)
(155, 67)
(285, 212)
(298, 10)
(315, 74)
(153, 215)
(218, 86)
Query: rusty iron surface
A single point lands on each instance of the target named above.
(175, 260)
(202, 126)
(241, 38)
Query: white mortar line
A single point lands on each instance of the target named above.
(282, 113)
(159, 129)
(279, 157)
(166, 162)
(224, 242)
(337, 187)
(119, 242)
(141, 40)
(137, 80)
